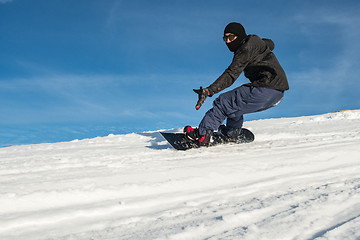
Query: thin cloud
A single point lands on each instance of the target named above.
(346, 31)
(85, 97)
(5, 1)
(327, 80)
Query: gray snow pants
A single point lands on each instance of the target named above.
(234, 104)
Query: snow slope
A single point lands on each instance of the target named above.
(299, 179)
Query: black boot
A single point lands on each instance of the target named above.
(204, 140)
(234, 136)
(191, 133)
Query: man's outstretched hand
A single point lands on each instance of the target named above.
(203, 94)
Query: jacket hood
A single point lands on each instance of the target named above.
(269, 43)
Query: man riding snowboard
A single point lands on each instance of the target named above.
(254, 57)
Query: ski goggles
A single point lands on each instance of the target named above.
(231, 37)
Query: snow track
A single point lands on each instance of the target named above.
(299, 179)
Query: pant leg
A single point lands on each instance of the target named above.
(254, 100)
(233, 104)
(235, 122)
(222, 106)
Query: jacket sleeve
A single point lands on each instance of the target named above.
(238, 64)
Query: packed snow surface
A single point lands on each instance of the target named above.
(299, 179)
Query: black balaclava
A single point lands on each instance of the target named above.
(239, 31)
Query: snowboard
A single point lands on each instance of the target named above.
(180, 142)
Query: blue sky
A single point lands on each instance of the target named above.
(86, 68)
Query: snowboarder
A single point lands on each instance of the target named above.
(254, 57)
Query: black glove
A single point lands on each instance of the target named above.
(203, 94)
